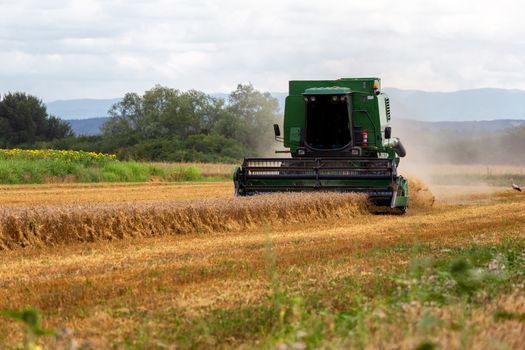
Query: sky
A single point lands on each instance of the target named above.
(63, 49)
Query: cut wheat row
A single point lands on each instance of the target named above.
(63, 224)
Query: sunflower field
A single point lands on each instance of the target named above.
(62, 155)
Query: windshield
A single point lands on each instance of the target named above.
(327, 121)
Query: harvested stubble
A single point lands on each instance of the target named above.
(62, 224)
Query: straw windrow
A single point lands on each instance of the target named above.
(63, 224)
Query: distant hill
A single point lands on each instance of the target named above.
(91, 126)
(464, 105)
(494, 109)
(460, 126)
(81, 108)
(87, 127)
(98, 108)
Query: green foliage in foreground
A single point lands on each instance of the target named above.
(347, 315)
(31, 320)
(353, 309)
(37, 171)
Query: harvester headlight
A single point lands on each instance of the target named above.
(343, 98)
(301, 151)
(334, 98)
(306, 99)
(312, 98)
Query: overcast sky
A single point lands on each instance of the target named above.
(60, 49)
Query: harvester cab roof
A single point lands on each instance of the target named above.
(339, 137)
(336, 117)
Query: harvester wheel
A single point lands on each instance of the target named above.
(237, 192)
(402, 210)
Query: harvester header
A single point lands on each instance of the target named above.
(339, 138)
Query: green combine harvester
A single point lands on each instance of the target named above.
(338, 135)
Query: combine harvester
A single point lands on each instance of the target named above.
(339, 137)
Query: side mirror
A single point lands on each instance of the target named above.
(277, 133)
(276, 130)
(388, 132)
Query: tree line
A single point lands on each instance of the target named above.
(163, 124)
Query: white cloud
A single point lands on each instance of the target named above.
(65, 49)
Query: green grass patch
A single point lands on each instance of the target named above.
(50, 170)
(310, 317)
(347, 311)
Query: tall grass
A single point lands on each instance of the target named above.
(215, 170)
(50, 170)
(31, 321)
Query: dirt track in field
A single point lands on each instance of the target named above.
(88, 286)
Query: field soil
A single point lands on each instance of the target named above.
(284, 280)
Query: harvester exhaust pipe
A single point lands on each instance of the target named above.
(396, 144)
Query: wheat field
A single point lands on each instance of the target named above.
(65, 224)
(156, 266)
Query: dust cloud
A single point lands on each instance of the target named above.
(421, 197)
(459, 164)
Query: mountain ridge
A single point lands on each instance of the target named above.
(91, 126)
(461, 105)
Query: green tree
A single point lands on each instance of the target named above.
(57, 129)
(163, 112)
(127, 118)
(24, 121)
(250, 116)
(167, 124)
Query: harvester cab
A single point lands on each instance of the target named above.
(338, 135)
